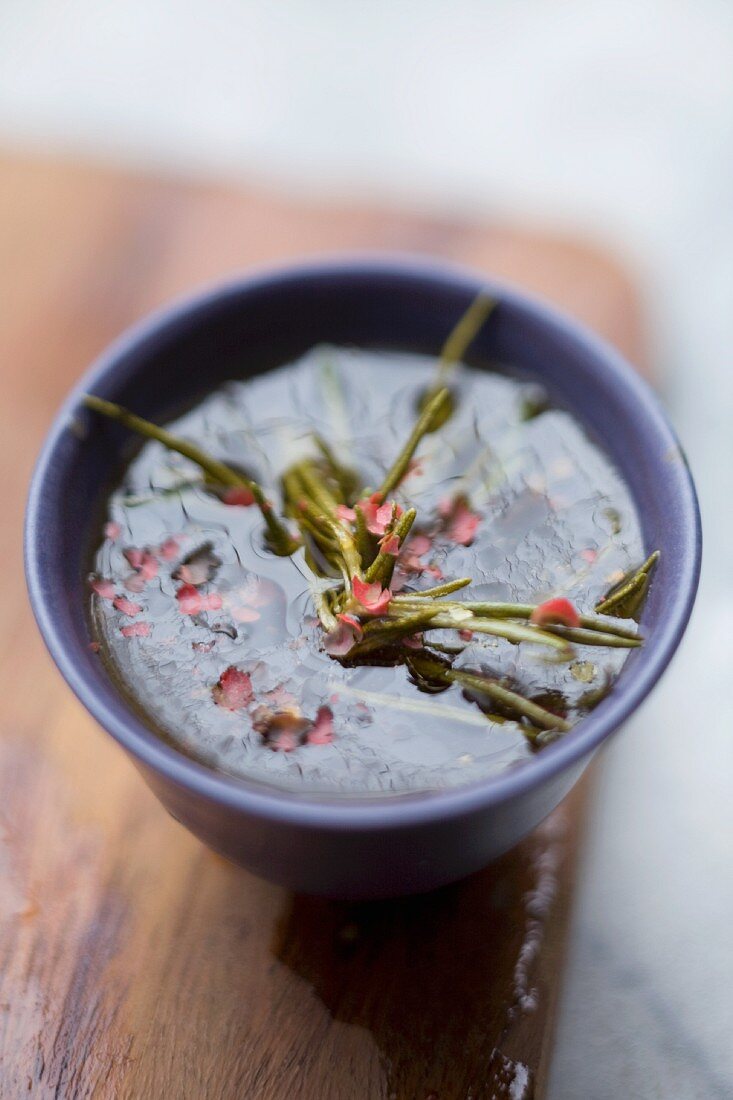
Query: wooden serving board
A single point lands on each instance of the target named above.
(134, 962)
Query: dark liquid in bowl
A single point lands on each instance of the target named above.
(556, 518)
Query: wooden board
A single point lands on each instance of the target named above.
(134, 963)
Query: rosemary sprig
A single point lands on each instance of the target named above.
(486, 685)
(625, 598)
(281, 541)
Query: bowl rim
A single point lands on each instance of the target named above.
(413, 808)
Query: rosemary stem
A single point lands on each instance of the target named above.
(281, 540)
(510, 699)
(629, 592)
(463, 335)
(515, 611)
(579, 636)
(499, 628)
(385, 632)
(317, 488)
(433, 593)
(383, 565)
(431, 412)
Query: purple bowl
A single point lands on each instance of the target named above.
(375, 847)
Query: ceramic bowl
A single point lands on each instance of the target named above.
(373, 847)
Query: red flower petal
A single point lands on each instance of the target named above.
(372, 597)
(390, 545)
(239, 496)
(105, 589)
(134, 583)
(233, 690)
(465, 635)
(127, 607)
(142, 561)
(136, 630)
(346, 515)
(321, 733)
(557, 610)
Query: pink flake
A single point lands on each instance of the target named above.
(589, 555)
(192, 602)
(284, 740)
(372, 597)
(135, 630)
(340, 640)
(95, 647)
(460, 522)
(377, 516)
(112, 531)
(134, 556)
(420, 544)
(169, 549)
(390, 545)
(142, 561)
(413, 641)
(149, 567)
(105, 589)
(465, 635)
(321, 732)
(412, 552)
(282, 699)
(134, 583)
(557, 610)
(238, 496)
(233, 690)
(127, 607)
(399, 580)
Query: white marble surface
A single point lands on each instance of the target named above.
(609, 116)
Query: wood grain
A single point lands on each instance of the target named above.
(134, 963)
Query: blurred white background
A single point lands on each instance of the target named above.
(610, 117)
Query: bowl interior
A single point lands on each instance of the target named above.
(252, 325)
